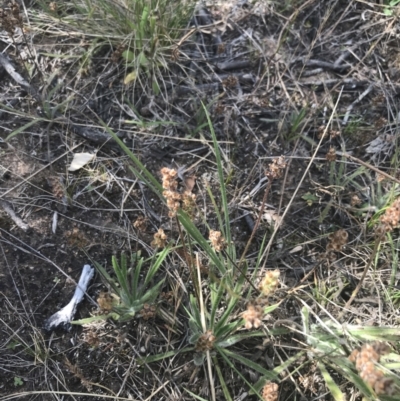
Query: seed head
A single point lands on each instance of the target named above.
(331, 155)
(337, 240)
(355, 200)
(148, 311)
(105, 301)
(365, 361)
(160, 239)
(217, 240)
(205, 342)
(170, 185)
(252, 316)
(10, 17)
(189, 203)
(140, 224)
(275, 169)
(270, 282)
(270, 392)
(390, 219)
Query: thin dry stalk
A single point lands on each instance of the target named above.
(388, 221)
(203, 323)
(278, 224)
(371, 167)
(275, 170)
(360, 283)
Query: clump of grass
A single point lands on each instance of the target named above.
(230, 299)
(130, 293)
(216, 314)
(141, 32)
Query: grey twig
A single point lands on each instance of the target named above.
(9, 210)
(350, 108)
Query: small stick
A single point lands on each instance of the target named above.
(370, 166)
(17, 220)
(360, 283)
(350, 108)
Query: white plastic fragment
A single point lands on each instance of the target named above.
(63, 317)
(79, 160)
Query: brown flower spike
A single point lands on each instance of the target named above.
(170, 185)
(148, 312)
(365, 361)
(217, 240)
(205, 342)
(337, 240)
(276, 168)
(160, 239)
(270, 392)
(140, 224)
(390, 219)
(252, 316)
(270, 282)
(331, 155)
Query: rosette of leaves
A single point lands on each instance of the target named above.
(132, 287)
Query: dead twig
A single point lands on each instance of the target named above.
(358, 100)
(370, 166)
(17, 220)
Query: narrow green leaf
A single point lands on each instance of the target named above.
(247, 362)
(232, 366)
(199, 358)
(228, 329)
(226, 230)
(239, 337)
(140, 171)
(107, 277)
(23, 128)
(222, 380)
(159, 260)
(158, 357)
(193, 231)
(92, 319)
(121, 278)
(275, 373)
(333, 387)
(137, 262)
(216, 298)
(365, 333)
(197, 397)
